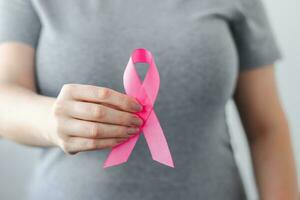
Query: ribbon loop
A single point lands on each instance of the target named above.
(145, 92)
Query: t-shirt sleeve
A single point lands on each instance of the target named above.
(253, 35)
(19, 22)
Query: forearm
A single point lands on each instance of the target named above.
(23, 115)
(274, 164)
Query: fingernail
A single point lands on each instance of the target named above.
(137, 107)
(132, 131)
(137, 121)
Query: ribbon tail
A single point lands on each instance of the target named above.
(156, 141)
(121, 152)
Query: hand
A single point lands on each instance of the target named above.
(86, 117)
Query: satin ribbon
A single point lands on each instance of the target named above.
(146, 94)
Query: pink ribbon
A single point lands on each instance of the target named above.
(146, 94)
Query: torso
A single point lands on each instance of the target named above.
(89, 42)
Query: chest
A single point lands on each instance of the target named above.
(90, 41)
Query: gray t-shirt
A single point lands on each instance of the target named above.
(199, 47)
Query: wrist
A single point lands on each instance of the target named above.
(43, 106)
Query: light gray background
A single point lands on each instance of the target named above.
(16, 161)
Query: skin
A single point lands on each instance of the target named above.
(81, 118)
(85, 117)
(267, 130)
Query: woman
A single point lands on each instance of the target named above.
(61, 90)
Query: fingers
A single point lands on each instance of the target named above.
(94, 130)
(75, 144)
(102, 95)
(89, 117)
(100, 113)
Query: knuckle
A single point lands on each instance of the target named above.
(65, 147)
(98, 112)
(100, 145)
(66, 144)
(104, 93)
(68, 87)
(58, 108)
(127, 118)
(92, 144)
(67, 90)
(127, 104)
(94, 131)
(122, 131)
